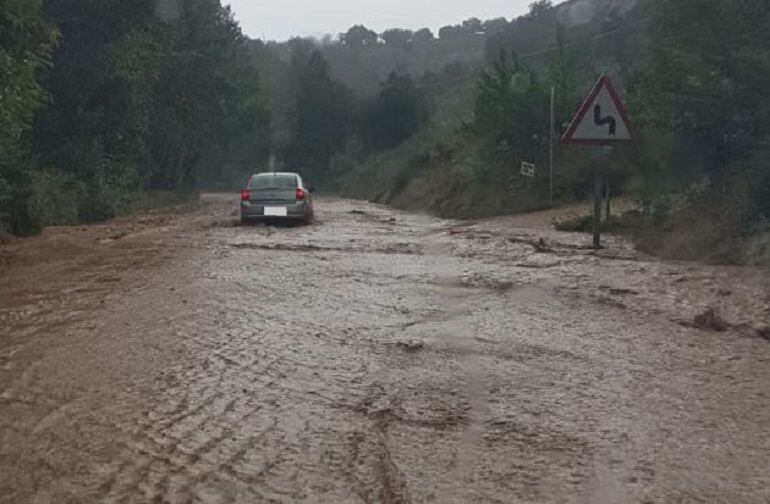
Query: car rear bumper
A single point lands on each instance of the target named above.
(256, 211)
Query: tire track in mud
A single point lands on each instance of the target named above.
(458, 338)
(375, 475)
(206, 426)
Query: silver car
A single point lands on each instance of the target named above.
(276, 196)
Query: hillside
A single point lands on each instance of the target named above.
(447, 162)
(364, 70)
(461, 50)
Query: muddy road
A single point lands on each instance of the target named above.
(374, 357)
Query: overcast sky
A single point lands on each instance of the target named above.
(282, 19)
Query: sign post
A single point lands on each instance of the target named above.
(551, 140)
(598, 185)
(601, 121)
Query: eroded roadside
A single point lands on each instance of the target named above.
(376, 356)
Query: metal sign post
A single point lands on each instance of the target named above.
(597, 209)
(601, 120)
(551, 140)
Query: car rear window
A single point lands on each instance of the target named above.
(273, 182)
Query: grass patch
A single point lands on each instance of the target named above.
(626, 223)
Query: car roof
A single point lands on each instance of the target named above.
(277, 174)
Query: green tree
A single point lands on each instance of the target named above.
(359, 36)
(510, 110)
(472, 26)
(320, 118)
(540, 8)
(25, 46)
(207, 111)
(451, 32)
(89, 115)
(397, 38)
(530, 33)
(394, 115)
(90, 130)
(423, 36)
(708, 79)
(699, 97)
(495, 26)
(148, 95)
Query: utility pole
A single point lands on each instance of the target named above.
(551, 138)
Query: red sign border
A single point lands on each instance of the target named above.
(602, 82)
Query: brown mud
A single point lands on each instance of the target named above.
(374, 357)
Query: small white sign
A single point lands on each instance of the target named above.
(528, 169)
(275, 212)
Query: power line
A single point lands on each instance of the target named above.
(586, 38)
(684, 31)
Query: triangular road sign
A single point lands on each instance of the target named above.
(602, 119)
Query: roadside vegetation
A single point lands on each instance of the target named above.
(103, 101)
(698, 96)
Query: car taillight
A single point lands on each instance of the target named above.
(300, 194)
(245, 196)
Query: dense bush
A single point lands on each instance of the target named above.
(140, 96)
(394, 115)
(55, 198)
(25, 45)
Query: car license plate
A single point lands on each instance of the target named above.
(275, 211)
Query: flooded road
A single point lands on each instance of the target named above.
(375, 357)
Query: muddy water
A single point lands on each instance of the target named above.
(374, 357)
